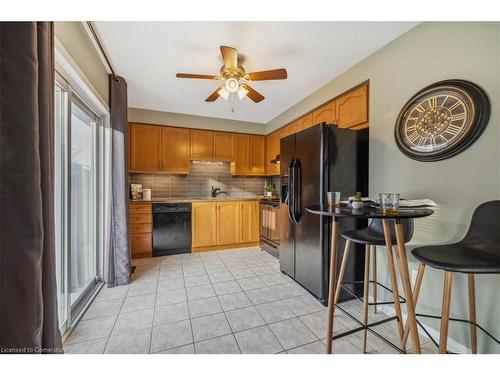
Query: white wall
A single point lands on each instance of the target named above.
(77, 43)
(432, 52)
(200, 122)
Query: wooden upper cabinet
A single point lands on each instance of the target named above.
(272, 150)
(223, 146)
(249, 221)
(352, 108)
(305, 122)
(241, 154)
(204, 224)
(175, 150)
(292, 128)
(228, 222)
(202, 144)
(144, 148)
(257, 154)
(325, 114)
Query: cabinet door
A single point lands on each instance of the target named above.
(224, 146)
(144, 148)
(141, 245)
(292, 128)
(228, 222)
(325, 114)
(257, 154)
(352, 108)
(202, 144)
(305, 122)
(272, 150)
(241, 154)
(204, 223)
(175, 150)
(249, 219)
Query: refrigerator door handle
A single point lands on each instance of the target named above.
(297, 180)
(291, 191)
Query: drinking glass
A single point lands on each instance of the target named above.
(333, 198)
(389, 203)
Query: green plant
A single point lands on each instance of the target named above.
(357, 197)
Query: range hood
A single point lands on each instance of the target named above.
(276, 160)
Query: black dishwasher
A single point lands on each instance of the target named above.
(171, 228)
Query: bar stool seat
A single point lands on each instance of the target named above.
(477, 253)
(373, 234)
(473, 257)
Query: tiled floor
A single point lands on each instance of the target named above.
(228, 301)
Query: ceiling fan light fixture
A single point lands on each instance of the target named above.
(224, 93)
(232, 84)
(242, 92)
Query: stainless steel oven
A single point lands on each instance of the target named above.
(269, 225)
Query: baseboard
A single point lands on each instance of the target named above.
(224, 247)
(453, 345)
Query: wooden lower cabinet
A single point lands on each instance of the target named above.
(219, 225)
(228, 222)
(249, 213)
(203, 224)
(141, 230)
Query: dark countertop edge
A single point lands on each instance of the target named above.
(190, 200)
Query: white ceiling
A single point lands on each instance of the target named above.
(149, 54)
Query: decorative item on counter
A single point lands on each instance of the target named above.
(268, 189)
(136, 191)
(146, 194)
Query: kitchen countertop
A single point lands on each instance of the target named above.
(189, 200)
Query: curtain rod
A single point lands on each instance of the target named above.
(101, 48)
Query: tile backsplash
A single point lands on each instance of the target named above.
(198, 182)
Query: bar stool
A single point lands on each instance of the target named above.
(373, 236)
(477, 253)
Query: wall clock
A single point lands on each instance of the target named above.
(442, 120)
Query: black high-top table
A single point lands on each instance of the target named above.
(373, 213)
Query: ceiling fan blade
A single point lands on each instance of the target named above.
(199, 76)
(266, 75)
(214, 96)
(253, 94)
(230, 57)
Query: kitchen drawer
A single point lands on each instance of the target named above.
(146, 218)
(139, 208)
(141, 228)
(141, 243)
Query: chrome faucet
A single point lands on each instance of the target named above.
(216, 191)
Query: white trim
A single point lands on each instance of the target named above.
(453, 345)
(67, 67)
(96, 46)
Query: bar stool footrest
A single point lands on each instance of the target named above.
(401, 298)
(454, 320)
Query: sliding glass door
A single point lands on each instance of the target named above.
(83, 256)
(77, 163)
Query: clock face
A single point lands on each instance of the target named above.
(440, 121)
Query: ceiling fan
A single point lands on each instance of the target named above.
(235, 78)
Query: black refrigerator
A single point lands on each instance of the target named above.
(314, 161)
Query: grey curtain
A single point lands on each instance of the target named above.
(118, 254)
(28, 295)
